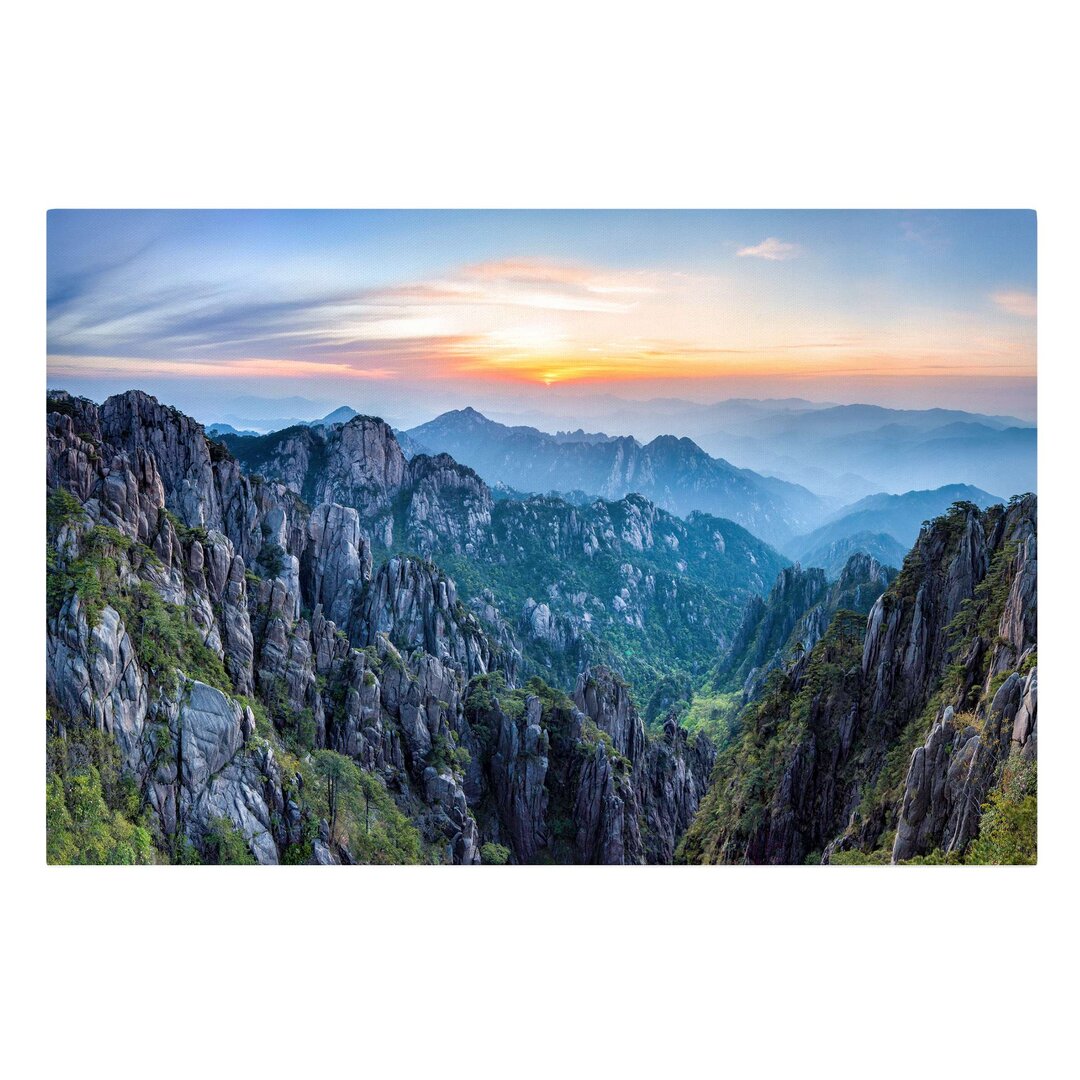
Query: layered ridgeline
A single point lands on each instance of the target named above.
(674, 473)
(910, 735)
(881, 525)
(563, 584)
(232, 676)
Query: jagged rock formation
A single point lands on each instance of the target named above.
(232, 635)
(171, 570)
(952, 773)
(414, 603)
(792, 619)
(565, 585)
(886, 740)
(579, 780)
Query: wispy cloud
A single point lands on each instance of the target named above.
(1016, 302)
(249, 367)
(772, 249)
(196, 321)
(520, 319)
(925, 231)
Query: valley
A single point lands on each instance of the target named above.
(332, 643)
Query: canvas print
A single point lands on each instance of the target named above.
(541, 537)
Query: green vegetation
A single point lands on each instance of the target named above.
(103, 572)
(685, 592)
(93, 813)
(1008, 830)
(92, 571)
(271, 559)
(672, 693)
(185, 533)
(494, 855)
(713, 714)
(735, 813)
(297, 726)
(447, 755)
(979, 617)
(360, 810)
(854, 857)
(166, 639)
(225, 845)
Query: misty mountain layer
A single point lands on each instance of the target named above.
(674, 473)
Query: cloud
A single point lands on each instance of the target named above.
(772, 249)
(535, 271)
(248, 367)
(520, 319)
(1016, 302)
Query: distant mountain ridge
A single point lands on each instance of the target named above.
(673, 472)
(342, 414)
(832, 556)
(897, 517)
(839, 451)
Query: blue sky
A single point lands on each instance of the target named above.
(458, 307)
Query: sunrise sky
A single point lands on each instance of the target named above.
(405, 313)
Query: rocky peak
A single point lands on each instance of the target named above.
(603, 697)
(364, 466)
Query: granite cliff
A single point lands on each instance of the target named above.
(906, 735)
(232, 676)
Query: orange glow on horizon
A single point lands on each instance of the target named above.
(596, 366)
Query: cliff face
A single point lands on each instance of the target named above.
(792, 619)
(360, 464)
(251, 672)
(578, 779)
(888, 738)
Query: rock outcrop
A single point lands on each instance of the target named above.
(792, 619)
(885, 740)
(567, 580)
(225, 627)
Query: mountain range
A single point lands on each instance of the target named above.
(311, 647)
(889, 522)
(578, 582)
(841, 452)
(260, 425)
(677, 475)
(674, 473)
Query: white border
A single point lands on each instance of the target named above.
(520, 973)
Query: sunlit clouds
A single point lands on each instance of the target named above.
(655, 301)
(1017, 303)
(772, 249)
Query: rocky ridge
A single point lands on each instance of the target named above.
(619, 583)
(887, 739)
(231, 632)
(792, 619)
